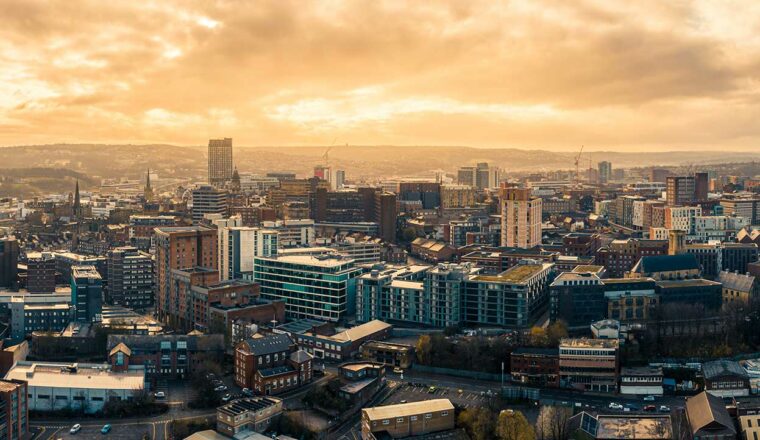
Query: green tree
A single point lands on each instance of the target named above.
(409, 234)
(512, 425)
(424, 349)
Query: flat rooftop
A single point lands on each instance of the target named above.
(634, 427)
(588, 343)
(87, 376)
(408, 409)
(517, 274)
(311, 260)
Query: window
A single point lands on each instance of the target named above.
(429, 416)
(400, 420)
(386, 422)
(413, 418)
(444, 413)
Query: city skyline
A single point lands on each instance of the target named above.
(530, 75)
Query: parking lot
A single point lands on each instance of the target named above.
(120, 432)
(417, 391)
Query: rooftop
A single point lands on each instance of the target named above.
(331, 260)
(649, 427)
(588, 343)
(722, 367)
(408, 409)
(362, 331)
(241, 406)
(274, 343)
(517, 274)
(88, 376)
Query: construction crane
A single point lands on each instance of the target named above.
(326, 156)
(577, 169)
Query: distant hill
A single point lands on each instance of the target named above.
(130, 161)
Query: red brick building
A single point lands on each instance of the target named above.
(271, 364)
(14, 412)
(535, 366)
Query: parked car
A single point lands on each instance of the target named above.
(105, 429)
(650, 408)
(76, 428)
(159, 394)
(398, 370)
(664, 409)
(614, 405)
(221, 388)
(226, 397)
(649, 399)
(247, 392)
(432, 389)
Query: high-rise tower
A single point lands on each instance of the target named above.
(219, 161)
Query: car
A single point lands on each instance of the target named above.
(76, 428)
(431, 390)
(460, 391)
(650, 408)
(649, 399)
(398, 370)
(159, 394)
(402, 401)
(221, 388)
(105, 429)
(247, 392)
(664, 409)
(614, 405)
(632, 406)
(226, 397)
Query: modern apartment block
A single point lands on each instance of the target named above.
(679, 190)
(520, 217)
(130, 278)
(220, 166)
(178, 248)
(319, 287)
(589, 364)
(239, 245)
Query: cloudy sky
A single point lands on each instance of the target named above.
(625, 75)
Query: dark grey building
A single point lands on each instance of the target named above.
(86, 293)
(130, 278)
(8, 262)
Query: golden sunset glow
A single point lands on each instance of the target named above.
(614, 75)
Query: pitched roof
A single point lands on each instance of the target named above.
(120, 348)
(300, 356)
(709, 413)
(273, 343)
(735, 281)
(408, 409)
(363, 330)
(722, 367)
(153, 342)
(666, 263)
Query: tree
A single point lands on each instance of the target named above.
(423, 349)
(552, 423)
(409, 234)
(512, 425)
(478, 422)
(555, 332)
(538, 337)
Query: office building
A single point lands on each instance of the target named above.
(14, 410)
(385, 215)
(747, 206)
(130, 278)
(532, 366)
(40, 273)
(701, 186)
(220, 166)
(589, 364)
(208, 200)
(735, 257)
(86, 294)
(340, 179)
(176, 248)
(141, 229)
(53, 386)
(520, 217)
(292, 233)
(605, 171)
(405, 420)
(8, 262)
(642, 381)
(250, 414)
(427, 194)
(387, 353)
(679, 190)
(319, 287)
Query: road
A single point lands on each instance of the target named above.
(156, 428)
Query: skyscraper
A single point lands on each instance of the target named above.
(605, 171)
(520, 217)
(701, 186)
(340, 179)
(219, 161)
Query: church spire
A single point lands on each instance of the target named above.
(77, 208)
(148, 193)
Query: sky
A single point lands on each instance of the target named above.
(555, 74)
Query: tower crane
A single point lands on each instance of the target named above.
(577, 161)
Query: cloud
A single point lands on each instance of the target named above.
(521, 73)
